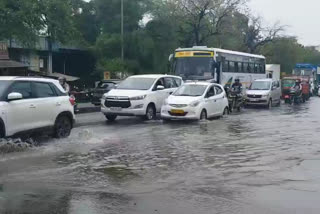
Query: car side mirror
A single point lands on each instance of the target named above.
(160, 87)
(14, 96)
(274, 87)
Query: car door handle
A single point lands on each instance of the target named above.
(32, 106)
(58, 104)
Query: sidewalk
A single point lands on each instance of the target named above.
(87, 108)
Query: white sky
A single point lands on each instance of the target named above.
(302, 16)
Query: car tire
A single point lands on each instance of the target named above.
(2, 131)
(150, 112)
(62, 127)
(269, 106)
(203, 115)
(111, 118)
(226, 111)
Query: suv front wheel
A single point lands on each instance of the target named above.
(111, 117)
(62, 127)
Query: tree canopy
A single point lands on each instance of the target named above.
(152, 30)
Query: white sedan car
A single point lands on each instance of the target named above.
(197, 100)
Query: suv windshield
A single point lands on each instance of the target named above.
(260, 85)
(136, 84)
(3, 87)
(191, 90)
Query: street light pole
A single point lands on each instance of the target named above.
(122, 36)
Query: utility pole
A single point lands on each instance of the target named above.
(122, 32)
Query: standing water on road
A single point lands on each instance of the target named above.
(257, 161)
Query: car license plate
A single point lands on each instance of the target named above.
(116, 109)
(177, 111)
(254, 100)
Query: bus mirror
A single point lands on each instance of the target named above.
(170, 57)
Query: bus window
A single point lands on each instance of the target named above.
(225, 66)
(256, 68)
(231, 67)
(236, 67)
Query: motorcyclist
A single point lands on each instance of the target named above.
(237, 87)
(236, 91)
(64, 84)
(298, 87)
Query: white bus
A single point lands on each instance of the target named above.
(221, 66)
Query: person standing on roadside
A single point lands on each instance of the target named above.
(64, 84)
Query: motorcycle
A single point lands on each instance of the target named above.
(294, 96)
(236, 101)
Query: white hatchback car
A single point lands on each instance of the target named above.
(140, 95)
(197, 100)
(29, 105)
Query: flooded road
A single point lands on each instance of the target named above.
(258, 161)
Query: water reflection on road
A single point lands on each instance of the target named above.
(258, 161)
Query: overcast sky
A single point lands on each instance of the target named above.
(302, 16)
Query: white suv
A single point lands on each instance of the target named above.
(28, 105)
(140, 95)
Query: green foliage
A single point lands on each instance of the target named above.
(147, 45)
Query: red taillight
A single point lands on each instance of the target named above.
(72, 100)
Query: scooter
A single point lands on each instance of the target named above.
(293, 97)
(236, 101)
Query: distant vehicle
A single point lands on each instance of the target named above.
(264, 92)
(30, 105)
(308, 70)
(218, 65)
(140, 95)
(196, 101)
(103, 87)
(288, 83)
(273, 71)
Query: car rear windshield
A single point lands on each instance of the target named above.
(260, 85)
(136, 84)
(4, 84)
(191, 90)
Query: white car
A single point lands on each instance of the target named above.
(140, 95)
(264, 92)
(197, 100)
(29, 105)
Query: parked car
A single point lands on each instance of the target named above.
(140, 95)
(103, 87)
(197, 100)
(29, 105)
(264, 92)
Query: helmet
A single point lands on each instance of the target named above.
(237, 80)
(297, 81)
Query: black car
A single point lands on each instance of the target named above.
(103, 87)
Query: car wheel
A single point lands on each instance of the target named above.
(63, 127)
(226, 111)
(203, 115)
(2, 131)
(111, 117)
(269, 106)
(150, 112)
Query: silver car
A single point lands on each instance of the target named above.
(264, 92)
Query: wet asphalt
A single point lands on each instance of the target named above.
(256, 161)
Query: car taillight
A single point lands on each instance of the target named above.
(72, 100)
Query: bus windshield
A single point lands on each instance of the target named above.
(194, 67)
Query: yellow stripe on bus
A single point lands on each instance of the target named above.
(194, 54)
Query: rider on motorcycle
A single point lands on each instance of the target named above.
(298, 87)
(235, 95)
(237, 87)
